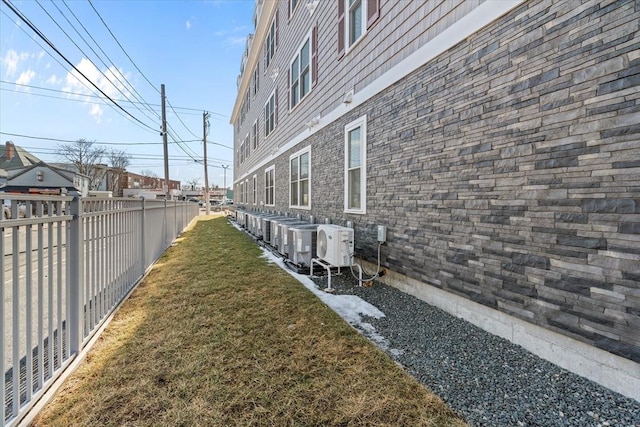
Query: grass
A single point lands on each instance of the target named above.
(216, 335)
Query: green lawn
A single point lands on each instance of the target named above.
(216, 335)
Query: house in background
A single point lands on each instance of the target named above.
(497, 141)
(13, 156)
(25, 173)
(41, 178)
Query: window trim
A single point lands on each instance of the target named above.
(254, 134)
(308, 39)
(268, 60)
(293, 8)
(360, 122)
(255, 189)
(306, 150)
(275, 107)
(271, 168)
(370, 15)
(246, 191)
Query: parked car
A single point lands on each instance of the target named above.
(6, 211)
(193, 199)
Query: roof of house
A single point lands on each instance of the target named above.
(21, 158)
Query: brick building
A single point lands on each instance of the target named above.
(498, 141)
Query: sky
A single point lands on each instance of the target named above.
(127, 49)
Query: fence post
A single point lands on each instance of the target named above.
(143, 237)
(76, 273)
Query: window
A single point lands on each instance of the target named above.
(242, 152)
(299, 173)
(256, 80)
(355, 166)
(255, 189)
(355, 21)
(245, 196)
(271, 42)
(270, 114)
(300, 74)
(241, 192)
(247, 147)
(355, 17)
(254, 134)
(269, 186)
(292, 6)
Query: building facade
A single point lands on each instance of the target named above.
(499, 142)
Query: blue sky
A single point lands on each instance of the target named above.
(194, 48)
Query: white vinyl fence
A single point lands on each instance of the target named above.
(66, 264)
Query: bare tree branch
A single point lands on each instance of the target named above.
(85, 157)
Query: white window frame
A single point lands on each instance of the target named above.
(246, 190)
(293, 5)
(347, 22)
(268, 131)
(271, 187)
(256, 80)
(254, 134)
(294, 102)
(271, 43)
(255, 189)
(361, 123)
(297, 155)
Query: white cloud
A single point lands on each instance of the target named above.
(11, 61)
(26, 77)
(110, 81)
(96, 112)
(54, 80)
(188, 25)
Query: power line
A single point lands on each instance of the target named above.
(125, 52)
(84, 83)
(48, 42)
(199, 111)
(139, 97)
(185, 126)
(97, 142)
(90, 60)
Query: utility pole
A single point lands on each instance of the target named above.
(165, 144)
(224, 198)
(205, 130)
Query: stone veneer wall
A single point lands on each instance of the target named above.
(508, 171)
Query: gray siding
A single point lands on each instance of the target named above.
(507, 169)
(402, 28)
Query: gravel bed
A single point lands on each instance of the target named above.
(486, 379)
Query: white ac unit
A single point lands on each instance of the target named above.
(335, 244)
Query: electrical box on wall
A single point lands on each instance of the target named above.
(382, 233)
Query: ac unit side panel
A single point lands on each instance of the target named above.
(335, 244)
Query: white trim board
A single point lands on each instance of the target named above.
(473, 22)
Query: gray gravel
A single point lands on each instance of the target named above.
(486, 379)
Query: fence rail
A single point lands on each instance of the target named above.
(67, 262)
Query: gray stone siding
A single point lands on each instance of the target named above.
(508, 171)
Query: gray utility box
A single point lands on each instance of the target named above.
(276, 238)
(240, 218)
(249, 221)
(255, 223)
(302, 243)
(283, 234)
(265, 226)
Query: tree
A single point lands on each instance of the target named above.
(85, 157)
(193, 183)
(149, 173)
(118, 160)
